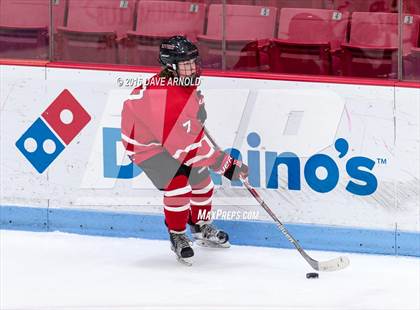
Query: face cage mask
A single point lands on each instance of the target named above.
(190, 79)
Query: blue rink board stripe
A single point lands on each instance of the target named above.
(255, 233)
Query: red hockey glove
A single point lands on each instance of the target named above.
(229, 167)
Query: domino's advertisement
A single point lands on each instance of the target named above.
(322, 156)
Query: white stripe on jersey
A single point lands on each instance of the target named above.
(192, 147)
(187, 149)
(135, 142)
(178, 191)
(178, 209)
(200, 157)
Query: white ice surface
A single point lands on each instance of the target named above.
(65, 271)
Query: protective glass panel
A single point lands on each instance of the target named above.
(410, 43)
(24, 28)
(316, 37)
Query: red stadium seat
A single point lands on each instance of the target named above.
(315, 4)
(412, 65)
(24, 27)
(388, 6)
(373, 47)
(94, 30)
(162, 19)
(246, 27)
(411, 7)
(307, 41)
(241, 2)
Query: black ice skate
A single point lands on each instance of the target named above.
(207, 235)
(181, 245)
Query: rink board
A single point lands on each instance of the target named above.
(252, 233)
(259, 118)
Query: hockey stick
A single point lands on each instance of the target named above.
(329, 265)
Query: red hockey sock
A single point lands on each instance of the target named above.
(177, 203)
(201, 199)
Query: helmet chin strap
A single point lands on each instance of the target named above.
(172, 70)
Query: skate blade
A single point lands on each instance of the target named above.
(210, 244)
(185, 261)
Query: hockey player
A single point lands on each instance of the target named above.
(162, 131)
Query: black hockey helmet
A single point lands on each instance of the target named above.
(176, 49)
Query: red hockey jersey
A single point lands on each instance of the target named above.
(163, 117)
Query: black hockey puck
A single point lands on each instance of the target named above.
(312, 275)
